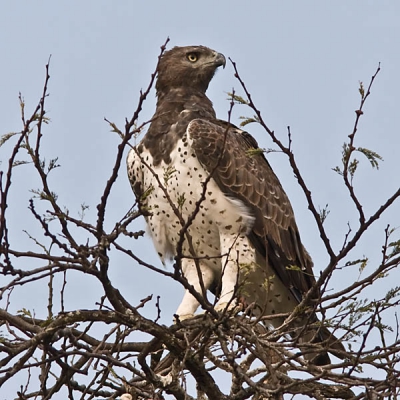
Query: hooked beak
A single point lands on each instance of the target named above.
(220, 60)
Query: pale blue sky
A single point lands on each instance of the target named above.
(301, 61)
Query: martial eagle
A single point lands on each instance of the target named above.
(243, 235)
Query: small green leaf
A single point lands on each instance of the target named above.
(168, 174)
(346, 151)
(41, 195)
(361, 90)
(362, 262)
(254, 152)
(293, 268)
(147, 193)
(395, 247)
(392, 293)
(82, 211)
(248, 120)
(237, 99)
(53, 164)
(353, 167)
(17, 163)
(323, 213)
(181, 201)
(372, 156)
(338, 170)
(6, 136)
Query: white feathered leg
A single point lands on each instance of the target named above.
(189, 304)
(238, 255)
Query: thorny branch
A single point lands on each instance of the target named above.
(113, 349)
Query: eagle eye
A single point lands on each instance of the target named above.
(192, 57)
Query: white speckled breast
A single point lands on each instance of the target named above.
(183, 180)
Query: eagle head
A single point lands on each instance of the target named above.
(190, 67)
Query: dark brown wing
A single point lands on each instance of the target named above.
(241, 171)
